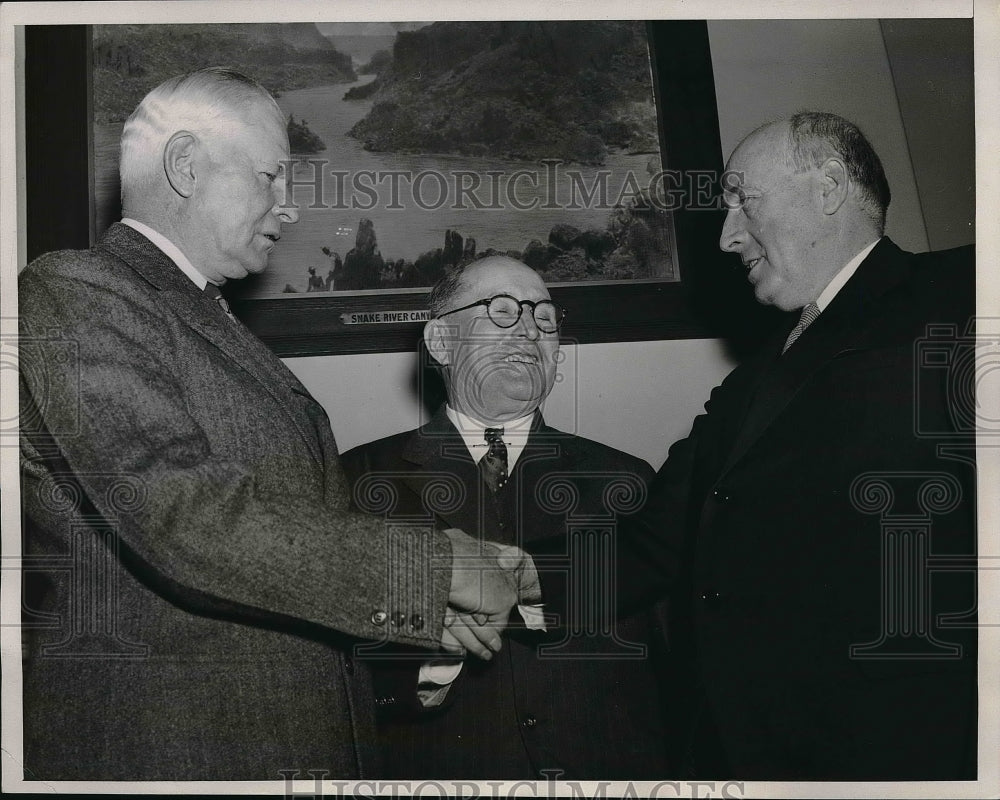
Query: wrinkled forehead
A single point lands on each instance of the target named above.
(761, 157)
(492, 276)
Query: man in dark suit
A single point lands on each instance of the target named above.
(194, 579)
(584, 707)
(817, 527)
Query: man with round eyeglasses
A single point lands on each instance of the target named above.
(486, 461)
(498, 363)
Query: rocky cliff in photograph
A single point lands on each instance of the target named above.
(515, 90)
(129, 60)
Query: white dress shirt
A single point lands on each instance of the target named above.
(172, 251)
(515, 435)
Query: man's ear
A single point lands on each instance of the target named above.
(437, 341)
(835, 185)
(178, 162)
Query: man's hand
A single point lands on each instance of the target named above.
(529, 587)
(482, 594)
(450, 643)
(478, 581)
(487, 580)
(478, 634)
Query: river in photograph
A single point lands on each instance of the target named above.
(411, 199)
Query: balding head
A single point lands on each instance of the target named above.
(805, 195)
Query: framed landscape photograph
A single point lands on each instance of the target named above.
(587, 149)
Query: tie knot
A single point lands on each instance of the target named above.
(493, 435)
(214, 292)
(809, 314)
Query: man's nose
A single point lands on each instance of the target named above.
(733, 235)
(289, 215)
(284, 209)
(527, 324)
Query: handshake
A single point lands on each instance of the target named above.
(487, 581)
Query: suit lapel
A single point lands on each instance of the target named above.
(836, 331)
(544, 444)
(438, 448)
(201, 314)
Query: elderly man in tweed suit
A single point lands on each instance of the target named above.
(194, 578)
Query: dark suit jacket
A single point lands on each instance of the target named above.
(592, 708)
(194, 574)
(796, 521)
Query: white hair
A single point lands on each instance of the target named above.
(204, 102)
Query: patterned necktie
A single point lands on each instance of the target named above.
(493, 465)
(215, 293)
(809, 314)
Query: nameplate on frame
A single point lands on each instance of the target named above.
(383, 317)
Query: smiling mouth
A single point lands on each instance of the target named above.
(751, 263)
(521, 358)
(272, 236)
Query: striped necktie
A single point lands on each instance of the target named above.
(809, 314)
(215, 293)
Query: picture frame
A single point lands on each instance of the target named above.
(709, 298)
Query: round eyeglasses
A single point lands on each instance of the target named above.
(504, 311)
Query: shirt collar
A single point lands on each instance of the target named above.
(842, 277)
(515, 434)
(170, 250)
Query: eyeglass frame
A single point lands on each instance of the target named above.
(487, 301)
(742, 196)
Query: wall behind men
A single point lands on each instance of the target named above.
(642, 396)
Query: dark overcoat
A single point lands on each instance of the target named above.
(817, 530)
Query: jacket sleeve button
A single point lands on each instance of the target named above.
(379, 617)
(417, 622)
(710, 598)
(398, 619)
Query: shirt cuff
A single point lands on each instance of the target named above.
(533, 616)
(435, 679)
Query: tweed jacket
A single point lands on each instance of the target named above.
(195, 580)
